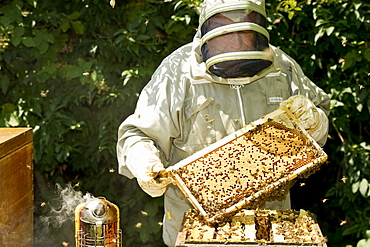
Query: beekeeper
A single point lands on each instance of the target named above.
(227, 77)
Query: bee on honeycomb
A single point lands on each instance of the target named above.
(251, 226)
(262, 160)
(294, 226)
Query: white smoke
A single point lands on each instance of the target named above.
(59, 219)
(66, 203)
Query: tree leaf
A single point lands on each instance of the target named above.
(367, 55)
(74, 16)
(355, 187)
(329, 30)
(367, 234)
(65, 25)
(28, 41)
(363, 243)
(5, 82)
(144, 234)
(364, 186)
(319, 34)
(16, 41)
(18, 31)
(78, 27)
(43, 47)
(73, 71)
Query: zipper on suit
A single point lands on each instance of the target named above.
(240, 101)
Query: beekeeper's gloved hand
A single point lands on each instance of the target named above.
(144, 163)
(312, 118)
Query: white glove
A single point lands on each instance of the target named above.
(144, 163)
(312, 118)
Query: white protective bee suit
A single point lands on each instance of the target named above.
(188, 104)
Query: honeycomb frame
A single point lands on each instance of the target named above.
(249, 166)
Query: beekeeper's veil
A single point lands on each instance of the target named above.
(233, 38)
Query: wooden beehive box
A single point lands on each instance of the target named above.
(252, 228)
(16, 187)
(248, 167)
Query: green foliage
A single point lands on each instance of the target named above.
(72, 70)
(330, 40)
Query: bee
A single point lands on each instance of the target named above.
(44, 93)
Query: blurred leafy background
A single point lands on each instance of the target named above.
(72, 70)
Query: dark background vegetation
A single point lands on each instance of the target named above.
(72, 70)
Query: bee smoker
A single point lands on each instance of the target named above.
(97, 224)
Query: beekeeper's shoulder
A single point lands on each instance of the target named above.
(178, 57)
(282, 59)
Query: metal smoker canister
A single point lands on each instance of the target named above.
(97, 224)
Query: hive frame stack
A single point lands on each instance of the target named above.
(253, 228)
